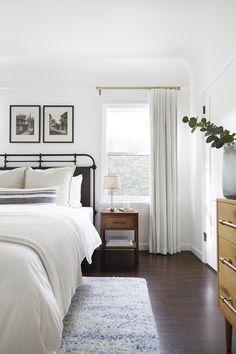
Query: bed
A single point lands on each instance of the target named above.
(41, 250)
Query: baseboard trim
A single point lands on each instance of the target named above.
(186, 247)
(212, 269)
(143, 246)
(196, 252)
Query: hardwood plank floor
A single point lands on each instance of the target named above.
(183, 293)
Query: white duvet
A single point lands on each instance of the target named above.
(41, 250)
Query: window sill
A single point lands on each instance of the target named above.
(125, 204)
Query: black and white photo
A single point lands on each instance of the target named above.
(24, 124)
(58, 124)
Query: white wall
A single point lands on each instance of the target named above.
(88, 129)
(220, 88)
(221, 103)
(211, 52)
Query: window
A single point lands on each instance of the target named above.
(128, 149)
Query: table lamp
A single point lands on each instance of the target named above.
(112, 182)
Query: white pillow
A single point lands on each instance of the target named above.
(28, 196)
(50, 177)
(12, 178)
(75, 191)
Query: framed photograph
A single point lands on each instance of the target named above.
(58, 124)
(24, 124)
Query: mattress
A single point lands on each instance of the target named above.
(86, 210)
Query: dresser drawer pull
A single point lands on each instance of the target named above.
(227, 223)
(119, 222)
(227, 302)
(228, 262)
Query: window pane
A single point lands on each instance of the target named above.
(134, 173)
(128, 129)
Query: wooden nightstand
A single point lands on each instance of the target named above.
(119, 221)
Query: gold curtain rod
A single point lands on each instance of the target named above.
(100, 88)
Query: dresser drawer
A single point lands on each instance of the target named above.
(227, 298)
(227, 221)
(227, 258)
(119, 222)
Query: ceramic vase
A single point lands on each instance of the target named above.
(229, 172)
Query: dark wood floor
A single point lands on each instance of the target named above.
(183, 295)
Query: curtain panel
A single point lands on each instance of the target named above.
(164, 229)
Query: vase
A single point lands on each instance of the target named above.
(229, 172)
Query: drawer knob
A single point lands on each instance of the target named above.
(227, 223)
(228, 262)
(119, 222)
(228, 302)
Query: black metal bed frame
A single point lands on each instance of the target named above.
(84, 170)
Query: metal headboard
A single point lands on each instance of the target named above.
(40, 160)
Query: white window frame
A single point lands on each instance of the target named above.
(105, 154)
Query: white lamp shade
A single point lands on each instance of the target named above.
(112, 182)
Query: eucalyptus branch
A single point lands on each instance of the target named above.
(216, 135)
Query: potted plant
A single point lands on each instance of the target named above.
(219, 137)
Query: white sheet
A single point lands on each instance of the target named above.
(41, 249)
(88, 211)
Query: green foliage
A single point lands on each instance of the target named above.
(216, 136)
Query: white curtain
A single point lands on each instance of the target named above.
(164, 234)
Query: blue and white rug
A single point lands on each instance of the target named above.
(110, 315)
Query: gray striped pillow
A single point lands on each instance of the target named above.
(28, 196)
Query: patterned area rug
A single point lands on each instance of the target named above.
(110, 315)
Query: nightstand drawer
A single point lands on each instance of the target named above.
(227, 221)
(227, 298)
(227, 258)
(119, 222)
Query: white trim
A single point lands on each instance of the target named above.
(206, 190)
(105, 154)
(143, 246)
(186, 247)
(127, 154)
(193, 249)
(214, 85)
(196, 252)
(222, 72)
(133, 199)
(140, 204)
(125, 105)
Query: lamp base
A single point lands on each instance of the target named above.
(112, 210)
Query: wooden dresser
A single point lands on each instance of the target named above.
(226, 240)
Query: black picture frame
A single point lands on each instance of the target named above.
(25, 124)
(58, 124)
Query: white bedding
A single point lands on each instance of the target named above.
(88, 211)
(41, 248)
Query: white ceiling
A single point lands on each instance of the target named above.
(50, 33)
